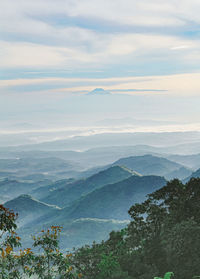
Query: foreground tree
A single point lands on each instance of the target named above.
(9, 264)
(163, 236)
(48, 263)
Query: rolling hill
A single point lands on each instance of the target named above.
(149, 165)
(29, 208)
(66, 195)
(113, 200)
(44, 191)
(191, 161)
(180, 173)
(11, 188)
(28, 165)
(173, 142)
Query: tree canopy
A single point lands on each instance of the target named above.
(163, 236)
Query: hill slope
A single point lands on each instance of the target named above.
(11, 188)
(75, 233)
(66, 195)
(180, 173)
(194, 174)
(29, 208)
(113, 201)
(149, 165)
(191, 161)
(44, 191)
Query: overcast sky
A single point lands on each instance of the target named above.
(52, 47)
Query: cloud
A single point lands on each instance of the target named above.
(28, 55)
(25, 17)
(88, 54)
(179, 84)
(123, 44)
(49, 21)
(149, 37)
(180, 47)
(130, 12)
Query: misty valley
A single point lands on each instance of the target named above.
(99, 139)
(91, 194)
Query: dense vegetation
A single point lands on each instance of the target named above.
(162, 237)
(47, 262)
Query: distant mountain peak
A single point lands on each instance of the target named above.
(99, 91)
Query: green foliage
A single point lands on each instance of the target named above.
(107, 266)
(48, 263)
(164, 235)
(7, 220)
(9, 265)
(168, 275)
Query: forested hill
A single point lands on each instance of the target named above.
(163, 236)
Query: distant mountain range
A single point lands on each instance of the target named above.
(33, 182)
(191, 161)
(10, 188)
(132, 121)
(112, 201)
(168, 142)
(37, 164)
(148, 164)
(89, 192)
(68, 193)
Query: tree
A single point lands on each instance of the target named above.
(48, 263)
(163, 235)
(9, 265)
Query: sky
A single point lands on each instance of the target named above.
(52, 49)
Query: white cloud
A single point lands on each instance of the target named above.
(179, 84)
(129, 12)
(75, 47)
(180, 47)
(27, 17)
(159, 13)
(28, 55)
(125, 44)
(102, 50)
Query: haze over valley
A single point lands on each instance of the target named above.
(62, 182)
(100, 139)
